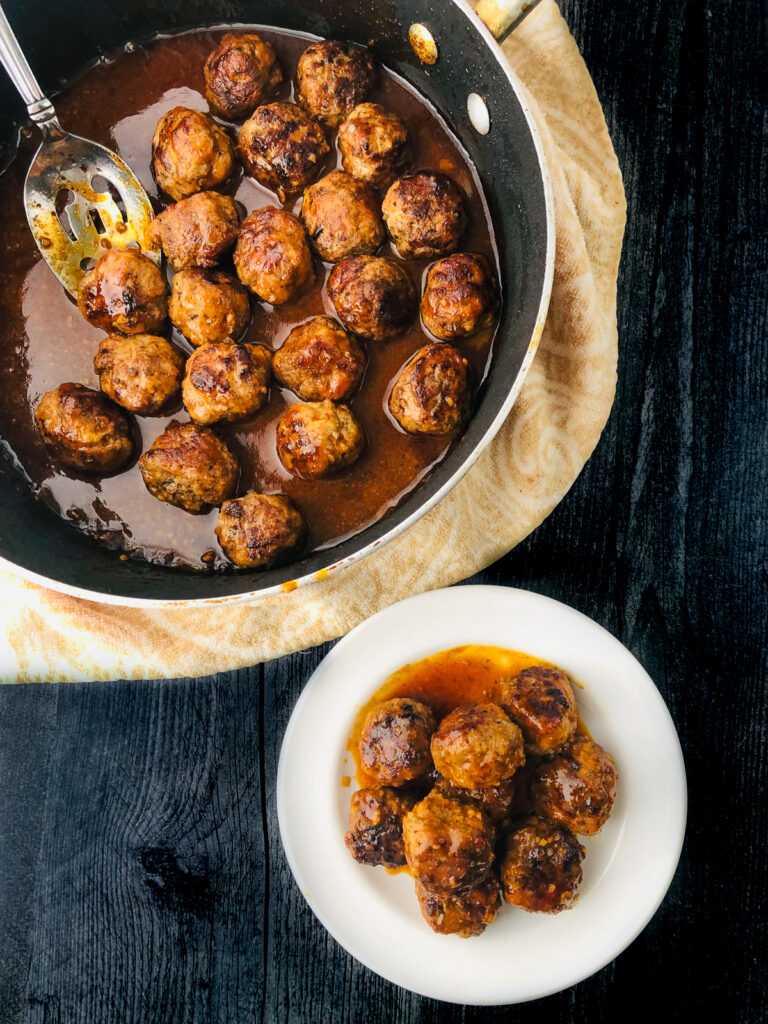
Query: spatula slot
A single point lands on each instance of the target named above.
(103, 185)
(64, 198)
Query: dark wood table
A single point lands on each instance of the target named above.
(142, 879)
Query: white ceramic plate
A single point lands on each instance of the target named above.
(627, 869)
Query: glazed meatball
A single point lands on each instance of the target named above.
(124, 292)
(283, 148)
(375, 833)
(541, 869)
(190, 153)
(342, 217)
(394, 742)
(577, 787)
(448, 845)
(141, 372)
(84, 430)
(260, 530)
(320, 360)
(541, 701)
(208, 306)
(499, 802)
(432, 393)
(318, 439)
(272, 257)
(459, 297)
(241, 73)
(477, 745)
(333, 77)
(190, 467)
(197, 231)
(373, 296)
(465, 915)
(374, 145)
(226, 382)
(425, 215)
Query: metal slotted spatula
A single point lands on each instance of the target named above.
(81, 199)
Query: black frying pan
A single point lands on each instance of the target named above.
(61, 38)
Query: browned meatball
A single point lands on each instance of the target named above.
(190, 153)
(226, 382)
(208, 306)
(260, 530)
(577, 787)
(283, 148)
(459, 297)
(373, 296)
(84, 430)
(333, 77)
(499, 802)
(465, 915)
(375, 833)
(240, 73)
(190, 467)
(425, 215)
(448, 845)
(477, 745)
(197, 231)
(272, 256)
(318, 439)
(342, 217)
(541, 869)
(394, 742)
(141, 372)
(541, 701)
(124, 292)
(320, 360)
(432, 393)
(373, 144)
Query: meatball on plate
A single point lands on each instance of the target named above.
(497, 903)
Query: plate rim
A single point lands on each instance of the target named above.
(679, 783)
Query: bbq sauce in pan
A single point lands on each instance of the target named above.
(45, 341)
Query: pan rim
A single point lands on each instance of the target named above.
(461, 470)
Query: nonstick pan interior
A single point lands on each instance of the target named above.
(63, 38)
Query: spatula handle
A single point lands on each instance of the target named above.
(15, 63)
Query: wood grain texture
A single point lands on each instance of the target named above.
(161, 893)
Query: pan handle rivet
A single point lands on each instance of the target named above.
(478, 113)
(423, 43)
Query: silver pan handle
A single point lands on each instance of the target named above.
(502, 16)
(15, 63)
